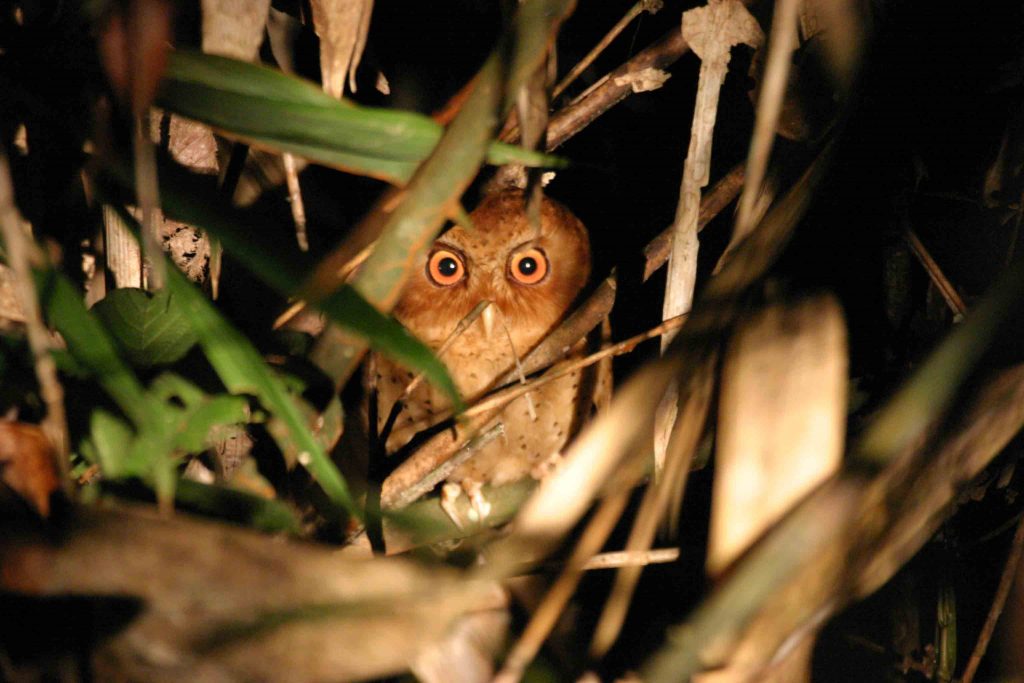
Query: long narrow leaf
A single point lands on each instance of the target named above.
(283, 112)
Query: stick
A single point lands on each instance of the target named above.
(938, 278)
(19, 254)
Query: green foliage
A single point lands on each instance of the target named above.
(243, 371)
(169, 419)
(147, 328)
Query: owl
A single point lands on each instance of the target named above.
(530, 276)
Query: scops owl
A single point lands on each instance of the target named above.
(531, 278)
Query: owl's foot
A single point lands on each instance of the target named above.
(449, 495)
(479, 508)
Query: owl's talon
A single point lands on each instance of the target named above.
(449, 495)
(479, 507)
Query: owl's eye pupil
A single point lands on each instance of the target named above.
(448, 266)
(528, 266)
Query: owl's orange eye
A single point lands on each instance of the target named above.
(445, 267)
(529, 266)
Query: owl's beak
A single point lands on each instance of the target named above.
(487, 318)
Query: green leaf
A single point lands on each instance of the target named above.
(191, 424)
(147, 326)
(273, 109)
(90, 344)
(110, 440)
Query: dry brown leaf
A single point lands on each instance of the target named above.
(781, 419)
(234, 28)
(342, 26)
(10, 307)
(27, 464)
(133, 49)
(644, 81)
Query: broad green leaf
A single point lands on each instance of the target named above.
(90, 344)
(147, 327)
(272, 109)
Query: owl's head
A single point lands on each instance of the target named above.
(530, 277)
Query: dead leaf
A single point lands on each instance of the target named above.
(713, 29)
(27, 464)
(781, 419)
(10, 306)
(644, 81)
(133, 48)
(227, 604)
(234, 28)
(342, 26)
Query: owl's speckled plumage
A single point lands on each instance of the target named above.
(500, 231)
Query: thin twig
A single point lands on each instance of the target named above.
(291, 175)
(343, 274)
(544, 619)
(615, 87)
(631, 14)
(560, 341)
(613, 559)
(711, 204)
(938, 278)
(1002, 593)
(19, 256)
(520, 375)
(628, 558)
(432, 454)
(460, 328)
(408, 496)
(568, 367)
(660, 496)
(583, 111)
(400, 402)
(148, 192)
(781, 44)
